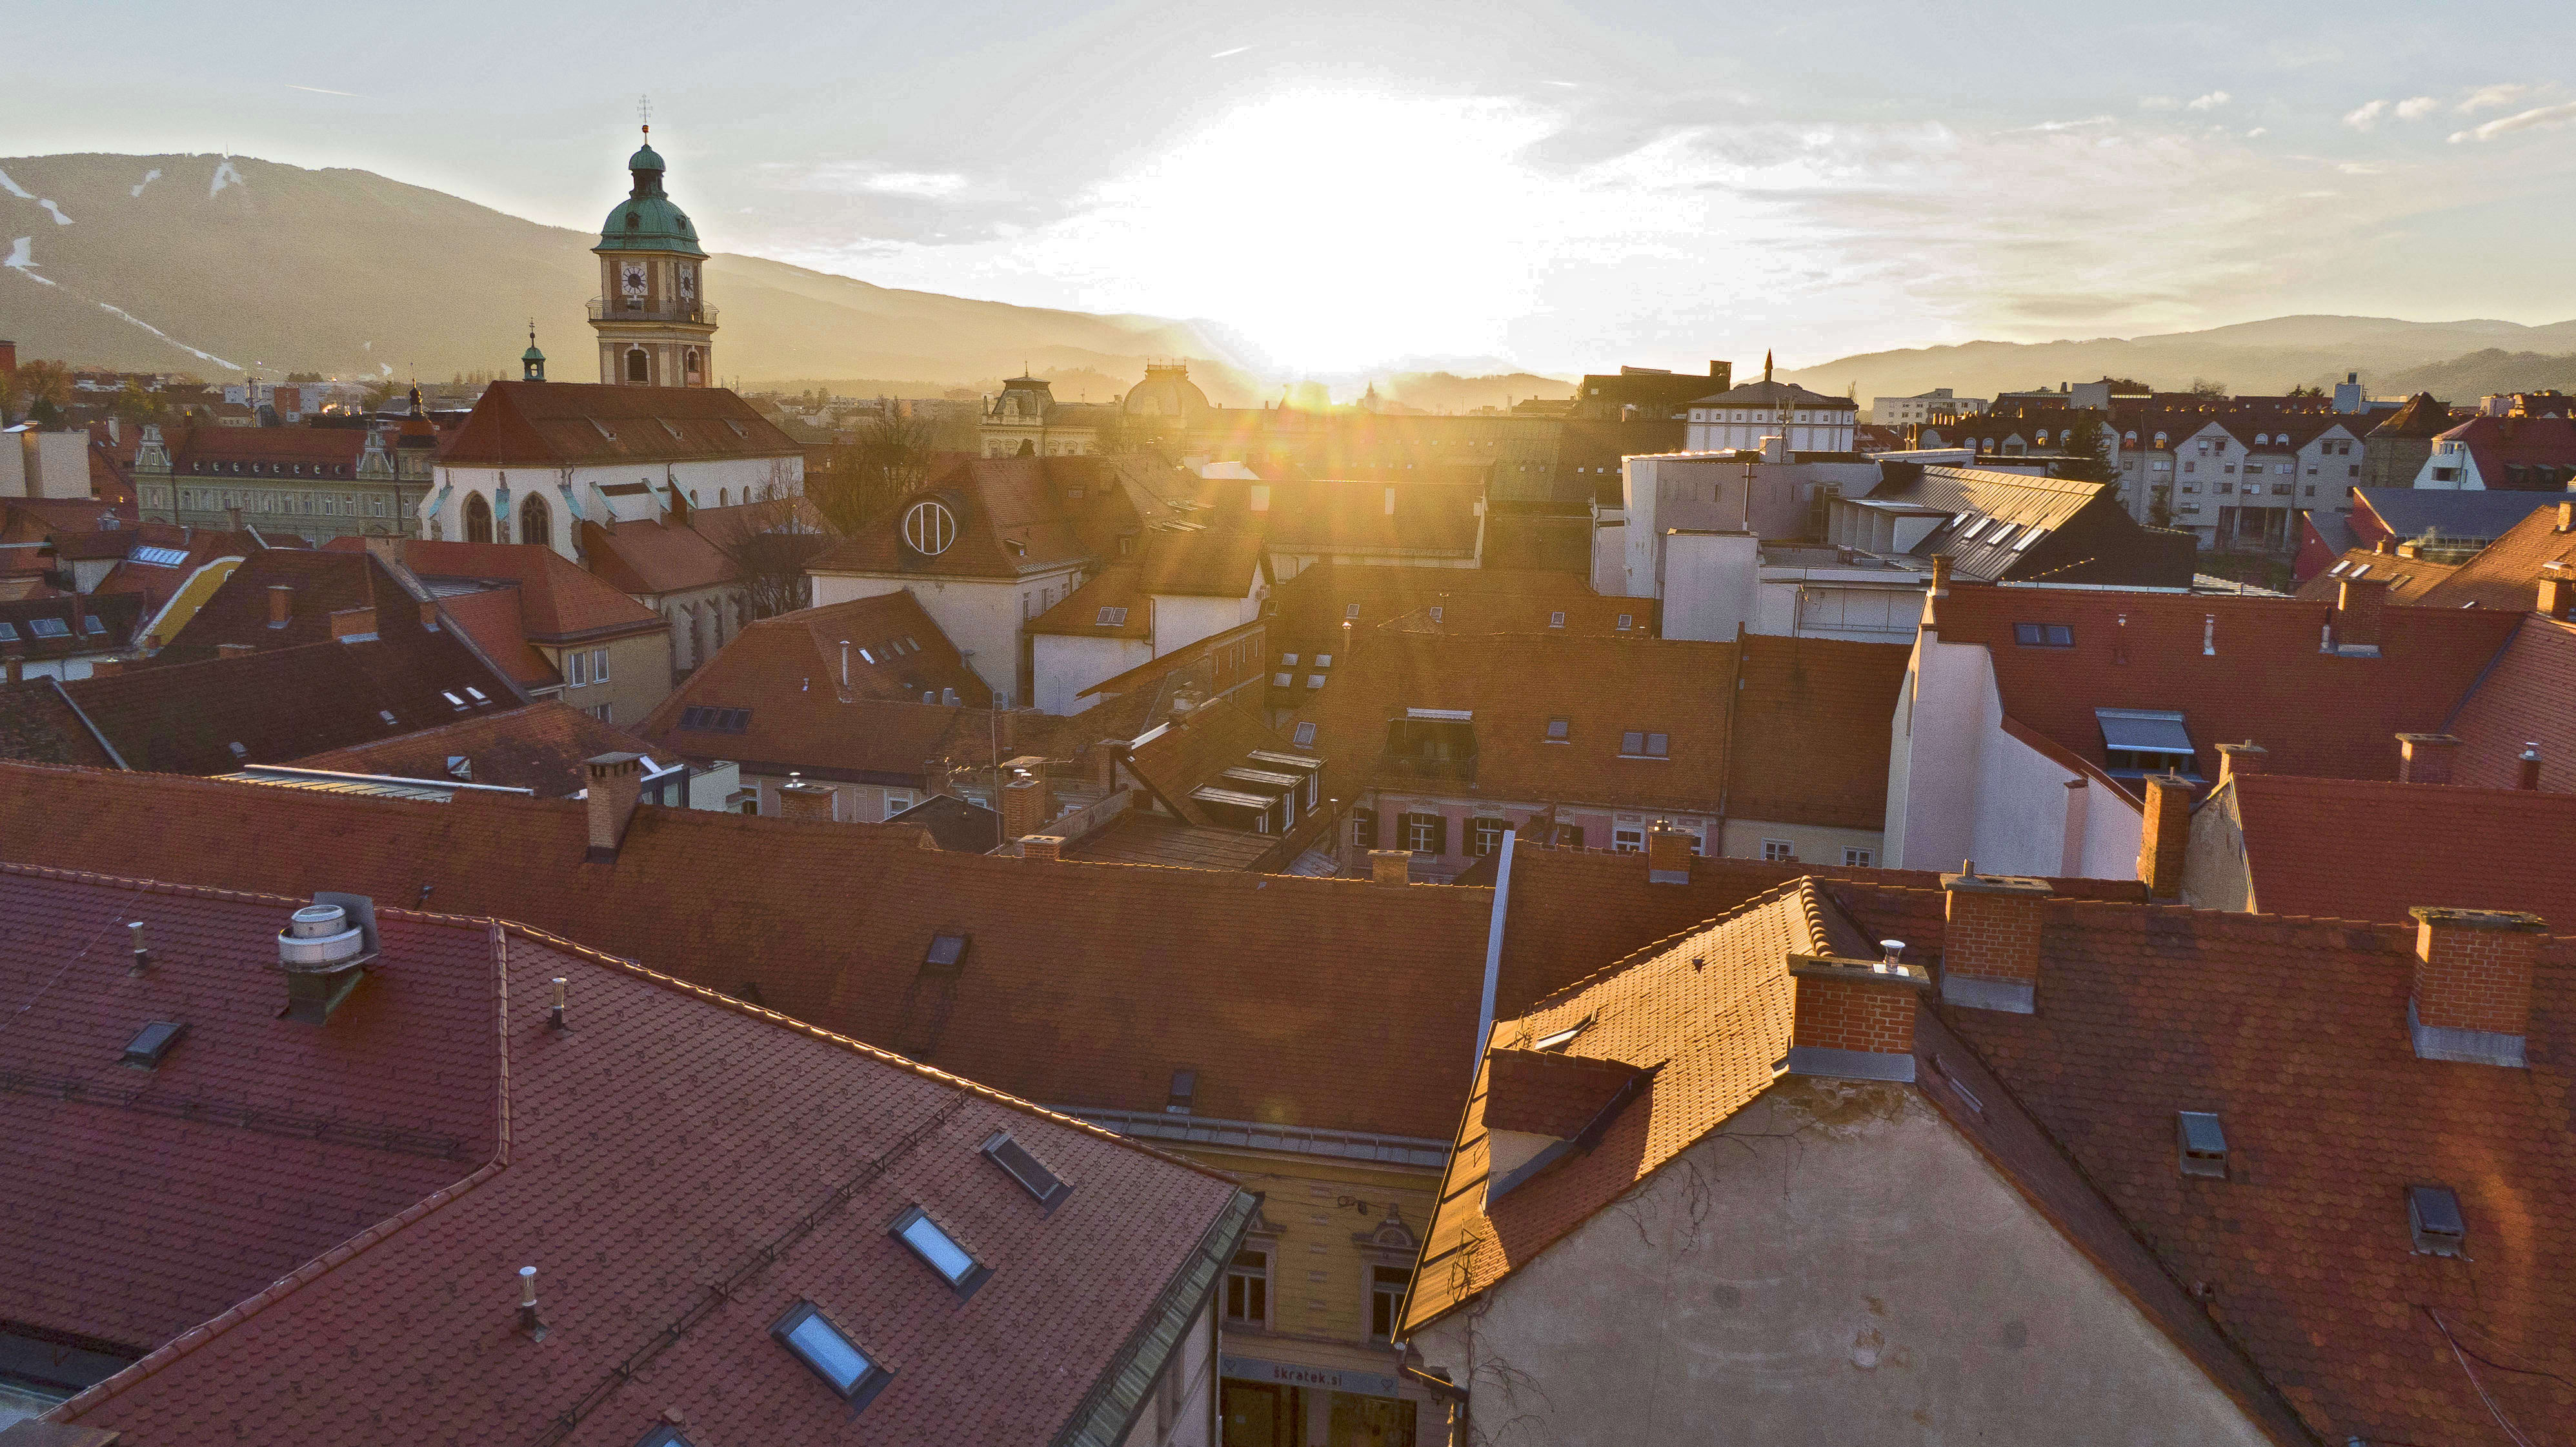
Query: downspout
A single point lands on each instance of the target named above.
(1493, 952)
(1726, 783)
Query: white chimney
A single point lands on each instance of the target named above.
(324, 954)
(1390, 502)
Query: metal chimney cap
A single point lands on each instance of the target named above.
(314, 921)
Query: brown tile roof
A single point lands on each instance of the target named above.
(1805, 734)
(2409, 580)
(1085, 985)
(695, 1132)
(2293, 1031)
(582, 424)
(39, 725)
(558, 601)
(286, 703)
(2505, 574)
(2421, 416)
(1169, 564)
(2318, 713)
(2347, 849)
(651, 556)
(324, 582)
(539, 746)
(1017, 515)
(2522, 700)
(1337, 516)
(1139, 837)
(493, 618)
(1194, 748)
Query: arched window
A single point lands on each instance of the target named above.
(536, 523)
(697, 634)
(689, 363)
(638, 369)
(724, 497)
(478, 519)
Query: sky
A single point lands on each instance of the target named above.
(1336, 187)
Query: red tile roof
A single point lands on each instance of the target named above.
(582, 424)
(492, 617)
(2318, 713)
(2345, 849)
(712, 1142)
(2522, 700)
(1169, 564)
(2517, 452)
(1086, 984)
(1017, 515)
(1138, 837)
(558, 600)
(650, 556)
(2409, 580)
(540, 746)
(323, 581)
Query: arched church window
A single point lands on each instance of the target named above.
(478, 519)
(536, 521)
(691, 362)
(638, 369)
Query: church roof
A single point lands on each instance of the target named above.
(647, 220)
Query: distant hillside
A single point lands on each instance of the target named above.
(219, 265)
(2465, 379)
(2255, 357)
(1447, 392)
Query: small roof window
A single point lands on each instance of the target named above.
(715, 720)
(1304, 738)
(453, 701)
(1282, 680)
(92, 623)
(1287, 660)
(49, 628)
(2360, 568)
(1560, 730)
(2044, 635)
(822, 1347)
(2035, 533)
(1020, 1166)
(152, 1042)
(2202, 1144)
(1627, 621)
(8, 632)
(1352, 611)
(2337, 570)
(1437, 612)
(1112, 617)
(664, 1435)
(2433, 1213)
(945, 957)
(476, 694)
(1314, 680)
(1185, 1089)
(387, 715)
(1555, 620)
(1562, 1038)
(940, 1252)
(1323, 660)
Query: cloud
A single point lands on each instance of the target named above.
(2488, 97)
(2362, 118)
(854, 178)
(2045, 126)
(2416, 108)
(2557, 115)
(2158, 103)
(2209, 102)
(2257, 131)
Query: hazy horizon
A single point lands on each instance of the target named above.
(1334, 190)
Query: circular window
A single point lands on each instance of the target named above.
(929, 528)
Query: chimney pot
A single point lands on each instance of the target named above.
(142, 955)
(1854, 1019)
(616, 783)
(1668, 854)
(556, 1016)
(1028, 801)
(106, 667)
(2557, 593)
(1989, 941)
(2385, 547)
(281, 604)
(2425, 758)
(2166, 836)
(429, 615)
(528, 1321)
(353, 623)
(1049, 847)
(2244, 758)
(2528, 774)
(1391, 866)
(234, 650)
(799, 799)
(2472, 996)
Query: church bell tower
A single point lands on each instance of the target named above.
(655, 328)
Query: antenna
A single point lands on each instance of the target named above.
(644, 112)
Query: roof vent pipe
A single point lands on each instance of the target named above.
(528, 1304)
(142, 956)
(2529, 775)
(1894, 957)
(558, 1015)
(845, 663)
(324, 953)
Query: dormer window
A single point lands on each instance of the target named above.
(2433, 1214)
(830, 1354)
(2201, 1145)
(1184, 1092)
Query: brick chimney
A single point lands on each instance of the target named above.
(1104, 764)
(353, 623)
(1668, 854)
(2165, 835)
(106, 667)
(1940, 575)
(2385, 547)
(235, 650)
(2472, 999)
(1391, 866)
(2358, 604)
(17, 670)
(281, 604)
(1854, 1019)
(2527, 771)
(2244, 758)
(2425, 758)
(1990, 942)
(800, 799)
(2557, 593)
(616, 782)
(1049, 847)
(1028, 803)
(429, 615)
(2566, 517)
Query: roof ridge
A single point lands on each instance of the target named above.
(1769, 896)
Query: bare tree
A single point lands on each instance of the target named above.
(770, 542)
(867, 480)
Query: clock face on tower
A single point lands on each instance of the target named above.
(630, 279)
(688, 283)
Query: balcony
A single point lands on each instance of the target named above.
(688, 313)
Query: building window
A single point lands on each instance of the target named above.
(599, 665)
(1426, 833)
(1560, 730)
(603, 712)
(1247, 1290)
(1625, 840)
(896, 802)
(1387, 1285)
(1860, 858)
(1639, 745)
(1363, 829)
(577, 668)
(1779, 851)
(2043, 635)
(1485, 835)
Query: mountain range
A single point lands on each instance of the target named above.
(219, 265)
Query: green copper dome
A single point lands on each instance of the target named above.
(532, 354)
(647, 220)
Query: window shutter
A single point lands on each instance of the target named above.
(1439, 833)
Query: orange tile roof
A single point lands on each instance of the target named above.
(2347, 849)
(1138, 837)
(1018, 515)
(404, 1159)
(2318, 713)
(2505, 574)
(1194, 748)
(558, 600)
(1086, 984)
(2521, 700)
(650, 556)
(1168, 564)
(2409, 580)
(494, 619)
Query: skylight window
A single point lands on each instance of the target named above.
(457, 703)
(1562, 1038)
(2360, 568)
(1304, 738)
(1019, 1165)
(387, 715)
(1314, 680)
(2034, 535)
(1560, 730)
(817, 1343)
(1185, 1089)
(664, 1435)
(1555, 620)
(2044, 635)
(152, 1042)
(1637, 745)
(1323, 660)
(1627, 621)
(2001, 534)
(1352, 611)
(940, 1252)
(1282, 680)
(2202, 1144)
(866, 657)
(1287, 660)
(2433, 1214)
(476, 694)
(1112, 617)
(49, 628)
(715, 720)
(945, 957)
(1436, 613)
(8, 632)
(159, 557)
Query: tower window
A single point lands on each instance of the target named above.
(638, 369)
